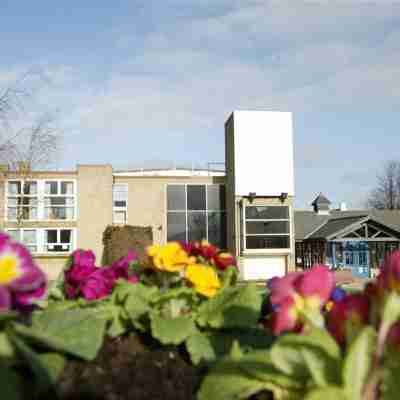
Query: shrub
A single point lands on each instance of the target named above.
(118, 240)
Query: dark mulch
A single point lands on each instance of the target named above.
(129, 368)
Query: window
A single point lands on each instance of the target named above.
(45, 240)
(58, 240)
(59, 200)
(28, 237)
(267, 227)
(41, 200)
(22, 200)
(196, 212)
(120, 203)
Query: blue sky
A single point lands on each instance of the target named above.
(150, 83)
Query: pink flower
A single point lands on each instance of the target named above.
(98, 285)
(83, 258)
(121, 267)
(21, 281)
(296, 294)
(353, 310)
(389, 277)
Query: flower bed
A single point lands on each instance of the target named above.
(176, 325)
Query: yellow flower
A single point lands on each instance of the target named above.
(204, 279)
(171, 257)
(8, 269)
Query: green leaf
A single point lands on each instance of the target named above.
(250, 374)
(43, 378)
(10, 384)
(232, 307)
(357, 363)
(314, 356)
(229, 277)
(390, 387)
(391, 311)
(6, 347)
(209, 346)
(78, 332)
(226, 381)
(200, 348)
(258, 365)
(172, 330)
(327, 393)
(54, 363)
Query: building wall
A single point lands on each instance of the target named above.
(231, 201)
(94, 206)
(147, 200)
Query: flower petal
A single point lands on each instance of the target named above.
(5, 299)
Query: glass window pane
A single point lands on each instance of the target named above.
(267, 227)
(51, 187)
(216, 197)
(196, 197)
(69, 213)
(57, 201)
(176, 199)
(176, 226)
(267, 242)
(217, 229)
(15, 234)
(29, 201)
(65, 236)
(29, 236)
(119, 203)
(67, 188)
(13, 201)
(32, 248)
(264, 212)
(51, 236)
(30, 188)
(33, 213)
(14, 187)
(11, 213)
(197, 229)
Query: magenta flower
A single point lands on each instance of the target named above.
(121, 267)
(389, 277)
(297, 294)
(353, 310)
(98, 285)
(21, 281)
(83, 258)
(83, 265)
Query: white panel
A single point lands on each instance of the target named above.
(262, 268)
(263, 153)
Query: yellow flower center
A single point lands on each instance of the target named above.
(8, 269)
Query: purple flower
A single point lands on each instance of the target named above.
(98, 285)
(21, 281)
(121, 267)
(84, 258)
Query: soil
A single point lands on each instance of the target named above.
(130, 368)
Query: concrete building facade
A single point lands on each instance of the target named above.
(246, 209)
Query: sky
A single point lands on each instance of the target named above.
(146, 83)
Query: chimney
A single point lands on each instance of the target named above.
(321, 205)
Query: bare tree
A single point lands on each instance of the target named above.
(386, 194)
(28, 140)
